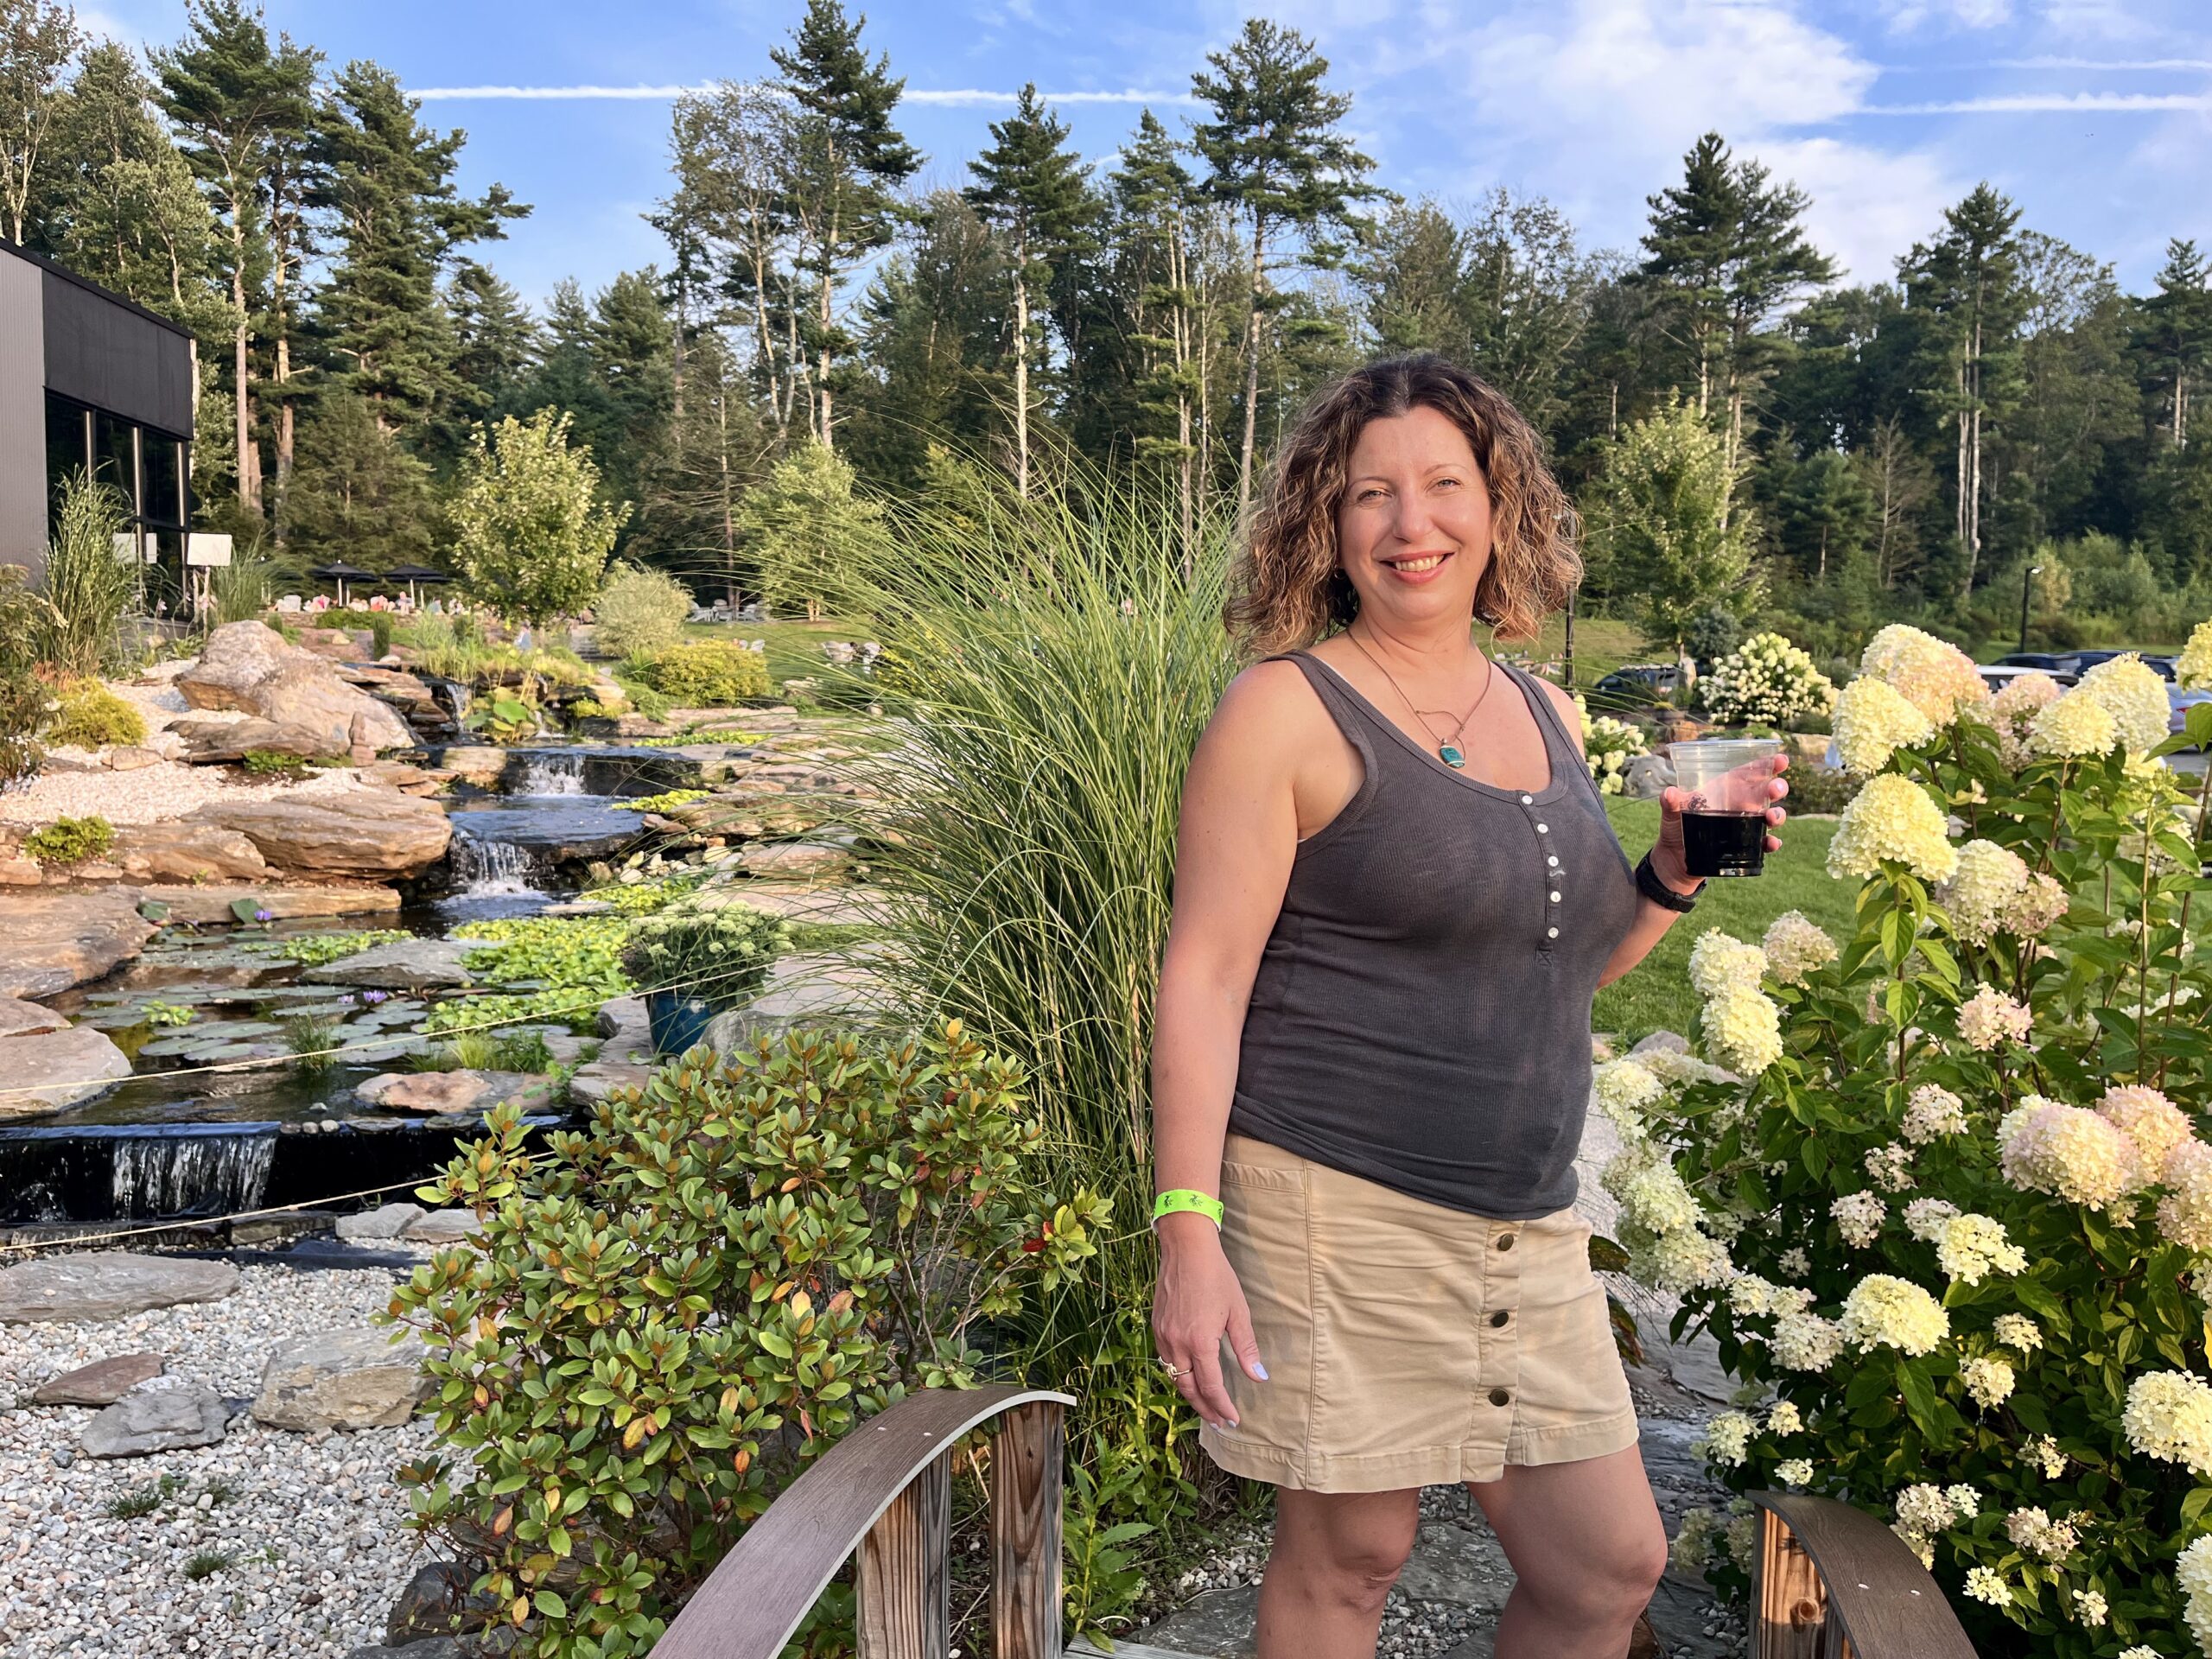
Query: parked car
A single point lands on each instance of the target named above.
(2045, 661)
(1637, 682)
(1998, 675)
(2083, 661)
(2179, 703)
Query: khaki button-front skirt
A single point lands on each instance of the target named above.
(1407, 1344)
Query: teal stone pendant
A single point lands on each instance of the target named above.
(1452, 756)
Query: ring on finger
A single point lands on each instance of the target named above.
(1175, 1373)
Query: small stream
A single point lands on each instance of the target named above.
(178, 1139)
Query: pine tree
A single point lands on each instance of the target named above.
(228, 96)
(1038, 193)
(1965, 288)
(495, 343)
(843, 162)
(38, 39)
(1727, 251)
(359, 493)
(384, 333)
(1275, 150)
(2173, 334)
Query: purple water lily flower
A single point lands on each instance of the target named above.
(264, 915)
(369, 999)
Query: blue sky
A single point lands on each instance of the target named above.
(2095, 116)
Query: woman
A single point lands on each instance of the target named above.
(1395, 894)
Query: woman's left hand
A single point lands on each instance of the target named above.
(1669, 860)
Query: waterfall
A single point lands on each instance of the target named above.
(176, 1174)
(490, 869)
(455, 695)
(552, 774)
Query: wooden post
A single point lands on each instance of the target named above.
(905, 1607)
(1791, 1606)
(1026, 1533)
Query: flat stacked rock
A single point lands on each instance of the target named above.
(373, 834)
(57, 940)
(107, 1285)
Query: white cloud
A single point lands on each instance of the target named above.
(1868, 207)
(1948, 14)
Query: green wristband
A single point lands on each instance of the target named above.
(1183, 1197)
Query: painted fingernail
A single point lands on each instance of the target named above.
(1259, 1370)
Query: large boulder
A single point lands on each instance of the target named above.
(343, 1379)
(178, 851)
(402, 965)
(376, 833)
(445, 1093)
(166, 1413)
(52, 941)
(107, 1285)
(43, 1071)
(216, 742)
(247, 666)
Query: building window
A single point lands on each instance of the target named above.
(68, 446)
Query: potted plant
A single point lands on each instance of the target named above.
(696, 957)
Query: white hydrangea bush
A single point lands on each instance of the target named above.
(1942, 1190)
(1608, 744)
(1766, 681)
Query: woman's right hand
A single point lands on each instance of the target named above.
(1197, 1302)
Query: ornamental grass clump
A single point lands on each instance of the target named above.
(1947, 1204)
(672, 1312)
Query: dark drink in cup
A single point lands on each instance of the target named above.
(1723, 843)
(1724, 827)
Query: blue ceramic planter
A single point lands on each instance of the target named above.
(678, 1022)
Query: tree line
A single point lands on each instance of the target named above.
(1831, 454)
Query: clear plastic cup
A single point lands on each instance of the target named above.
(1724, 826)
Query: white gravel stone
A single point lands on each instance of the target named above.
(152, 794)
(314, 1523)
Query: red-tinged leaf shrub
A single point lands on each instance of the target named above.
(670, 1314)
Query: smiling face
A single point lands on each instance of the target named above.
(1414, 528)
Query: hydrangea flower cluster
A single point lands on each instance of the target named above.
(2068, 1152)
(1989, 1019)
(1767, 680)
(1936, 677)
(1859, 1218)
(1891, 818)
(2012, 712)
(1931, 1112)
(1985, 891)
(2169, 1417)
(1797, 947)
(2072, 728)
(2193, 668)
(2133, 696)
(1608, 744)
(1971, 1247)
(1884, 1311)
(1742, 1025)
(1873, 721)
(1624, 1090)
(2036, 1534)
(1987, 1381)
(1924, 1510)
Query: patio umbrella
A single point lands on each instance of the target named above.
(339, 572)
(413, 575)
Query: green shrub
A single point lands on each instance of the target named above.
(1946, 1211)
(672, 1312)
(380, 629)
(274, 763)
(706, 673)
(640, 611)
(314, 949)
(93, 717)
(665, 800)
(710, 945)
(88, 590)
(70, 841)
(1819, 789)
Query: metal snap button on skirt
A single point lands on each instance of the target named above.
(1407, 1344)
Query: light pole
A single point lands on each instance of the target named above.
(2027, 583)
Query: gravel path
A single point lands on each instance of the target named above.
(312, 1524)
(153, 793)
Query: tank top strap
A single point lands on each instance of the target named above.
(1566, 753)
(1345, 708)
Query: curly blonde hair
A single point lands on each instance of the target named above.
(1289, 590)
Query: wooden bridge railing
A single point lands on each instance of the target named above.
(886, 1489)
(1832, 1582)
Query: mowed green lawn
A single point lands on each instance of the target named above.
(1658, 994)
(794, 647)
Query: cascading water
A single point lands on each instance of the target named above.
(490, 869)
(552, 774)
(175, 1174)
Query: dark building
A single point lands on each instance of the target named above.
(89, 382)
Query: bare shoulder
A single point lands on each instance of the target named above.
(1562, 699)
(1270, 704)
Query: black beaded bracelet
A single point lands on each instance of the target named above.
(1648, 884)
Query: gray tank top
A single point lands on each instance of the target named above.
(1421, 1014)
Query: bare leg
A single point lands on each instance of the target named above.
(1336, 1556)
(1588, 1548)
